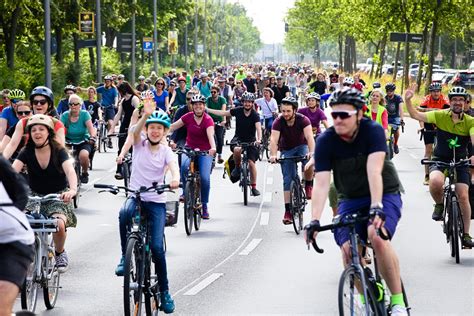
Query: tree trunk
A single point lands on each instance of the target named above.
(347, 55)
(429, 71)
(110, 35)
(395, 67)
(383, 45)
(75, 38)
(354, 54)
(59, 42)
(376, 53)
(421, 63)
(407, 59)
(10, 29)
(340, 53)
(92, 60)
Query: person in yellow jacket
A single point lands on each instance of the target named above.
(376, 110)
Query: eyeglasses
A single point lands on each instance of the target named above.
(74, 104)
(188, 99)
(21, 113)
(342, 114)
(160, 84)
(42, 102)
(213, 92)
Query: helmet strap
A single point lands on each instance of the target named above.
(46, 142)
(152, 142)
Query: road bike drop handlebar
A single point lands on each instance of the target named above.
(349, 220)
(114, 189)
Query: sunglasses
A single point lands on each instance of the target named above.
(342, 114)
(15, 101)
(23, 112)
(188, 99)
(160, 84)
(42, 102)
(213, 92)
(74, 104)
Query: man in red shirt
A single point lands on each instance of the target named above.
(432, 102)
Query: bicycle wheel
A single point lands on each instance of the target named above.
(349, 297)
(133, 278)
(29, 291)
(152, 297)
(391, 150)
(51, 277)
(188, 207)
(78, 192)
(244, 182)
(126, 175)
(197, 210)
(455, 236)
(295, 207)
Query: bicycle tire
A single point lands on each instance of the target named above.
(197, 210)
(133, 278)
(349, 298)
(455, 236)
(391, 149)
(51, 277)
(78, 191)
(99, 137)
(29, 290)
(126, 175)
(244, 183)
(152, 298)
(295, 206)
(188, 207)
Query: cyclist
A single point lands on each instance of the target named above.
(432, 102)
(216, 102)
(354, 149)
(80, 132)
(313, 112)
(376, 110)
(291, 81)
(63, 105)
(8, 117)
(161, 96)
(200, 135)
(41, 98)
(394, 108)
(450, 124)
(292, 134)
(49, 171)
(5, 99)
(23, 110)
(269, 108)
(142, 85)
(109, 100)
(93, 107)
(280, 90)
(320, 86)
(204, 86)
(247, 123)
(238, 91)
(159, 157)
(179, 96)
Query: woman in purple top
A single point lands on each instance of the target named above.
(314, 113)
(200, 136)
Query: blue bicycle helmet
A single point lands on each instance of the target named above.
(159, 117)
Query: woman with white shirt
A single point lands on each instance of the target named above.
(268, 107)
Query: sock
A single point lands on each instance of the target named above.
(253, 185)
(58, 253)
(287, 207)
(308, 183)
(397, 299)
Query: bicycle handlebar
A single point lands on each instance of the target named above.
(295, 158)
(242, 144)
(451, 164)
(191, 152)
(114, 189)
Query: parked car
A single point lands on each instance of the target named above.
(447, 78)
(464, 78)
(437, 75)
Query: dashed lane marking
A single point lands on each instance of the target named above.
(267, 197)
(270, 180)
(250, 247)
(264, 218)
(204, 283)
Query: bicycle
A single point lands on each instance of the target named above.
(297, 195)
(42, 272)
(127, 170)
(244, 182)
(102, 136)
(139, 279)
(453, 225)
(77, 169)
(265, 145)
(357, 280)
(192, 191)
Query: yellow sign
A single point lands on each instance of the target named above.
(86, 22)
(172, 42)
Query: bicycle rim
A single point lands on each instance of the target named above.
(295, 206)
(455, 236)
(349, 298)
(245, 185)
(188, 207)
(52, 276)
(132, 279)
(29, 291)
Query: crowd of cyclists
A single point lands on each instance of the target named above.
(286, 103)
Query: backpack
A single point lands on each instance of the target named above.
(229, 165)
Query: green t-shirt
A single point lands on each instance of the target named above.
(76, 132)
(447, 129)
(240, 76)
(216, 106)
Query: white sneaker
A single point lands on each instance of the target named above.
(62, 262)
(398, 310)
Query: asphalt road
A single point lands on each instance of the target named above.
(245, 261)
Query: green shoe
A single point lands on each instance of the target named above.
(467, 241)
(438, 212)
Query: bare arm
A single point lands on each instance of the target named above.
(274, 137)
(409, 93)
(61, 136)
(3, 127)
(258, 126)
(218, 112)
(322, 181)
(91, 128)
(167, 104)
(18, 165)
(308, 134)
(14, 142)
(119, 113)
(375, 163)
(176, 125)
(173, 96)
(6, 139)
(326, 124)
(210, 137)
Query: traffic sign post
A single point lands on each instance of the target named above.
(86, 22)
(124, 42)
(406, 37)
(147, 44)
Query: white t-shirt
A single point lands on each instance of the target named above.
(268, 107)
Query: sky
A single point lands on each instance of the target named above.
(268, 17)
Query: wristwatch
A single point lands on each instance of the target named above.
(377, 205)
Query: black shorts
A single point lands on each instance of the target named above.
(15, 259)
(109, 113)
(252, 151)
(83, 146)
(463, 175)
(429, 135)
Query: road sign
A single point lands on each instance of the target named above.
(172, 42)
(124, 42)
(438, 57)
(406, 37)
(231, 51)
(86, 43)
(201, 49)
(86, 22)
(147, 44)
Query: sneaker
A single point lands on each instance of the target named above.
(427, 180)
(120, 267)
(308, 190)
(235, 173)
(205, 212)
(62, 262)
(396, 150)
(287, 219)
(398, 310)
(467, 242)
(109, 143)
(219, 159)
(255, 192)
(119, 176)
(84, 178)
(438, 212)
(167, 303)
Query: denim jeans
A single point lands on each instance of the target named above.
(156, 215)
(288, 167)
(204, 165)
(293, 92)
(269, 123)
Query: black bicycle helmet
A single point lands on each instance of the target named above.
(376, 85)
(44, 91)
(390, 87)
(434, 86)
(290, 100)
(247, 96)
(198, 98)
(348, 96)
(456, 92)
(70, 87)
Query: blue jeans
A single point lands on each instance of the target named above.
(156, 215)
(293, 92)
(269, 123)
(204, 165)
(288, 168)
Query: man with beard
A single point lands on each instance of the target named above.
(247, 123)
(292, 134)
(280, 90)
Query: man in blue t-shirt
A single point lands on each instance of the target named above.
(395, 113)
(109, 96)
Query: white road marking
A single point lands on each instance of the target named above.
(267, 197)
(204, 283)
(105, 225)
(250, 247)
(412, 155)
(112, 169)
(270, 180)
(264, 218)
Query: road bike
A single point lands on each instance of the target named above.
(453, 225)
(140, 283)
(359, 281)
(42, 273)
(297, 194)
